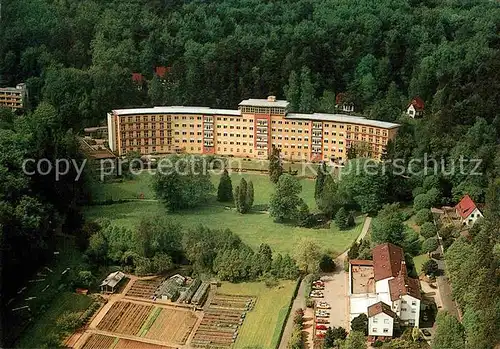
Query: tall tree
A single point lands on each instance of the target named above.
(285, 200)
(185, 185)
(225, 189)
(275, 165)
(249, 197)
(307, 92)
(449, 332)
(341, 218)
(240, 196)
(292, 91)
(320, 181)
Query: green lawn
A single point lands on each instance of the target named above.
(141, 184)
(419, 261)
(45, 324)
(263, 324)
(253, 228)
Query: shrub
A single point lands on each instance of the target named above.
(407, 214)
(327, 264)
(422, 201)
(428, 230)
(309, 302)
(69, 321)
(430, 245)
(430, 267)
(422, 216)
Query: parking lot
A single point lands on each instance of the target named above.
(335, 294)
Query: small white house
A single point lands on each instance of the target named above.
(415, 108)
(381, 320)
(467, 211)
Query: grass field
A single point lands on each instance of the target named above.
(45, 324)
(263, 324)
(419, 261)
(253, 228)
(141, 184)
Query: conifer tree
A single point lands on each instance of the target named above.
(249, 197)
(292, 92)
(275, 166)
(341, 218)
(307, 92)
(225, 189)
(240, 195)
(320, 181)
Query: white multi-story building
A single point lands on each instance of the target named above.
(383, 290)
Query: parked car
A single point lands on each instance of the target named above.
(322, 321)
(318, 287)
(323, 305)
(316, 294)
(322, 315)
(426, 333)
(321, 327)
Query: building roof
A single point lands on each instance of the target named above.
(177, 110)
(404, 285)
(465, 207)
(343, 98)
(417, 103)
(264, 103)
(161, 71)
(380, 307)
(387, 260)
(137, 77)
(113, 279)
(342, 118)
(360, 262)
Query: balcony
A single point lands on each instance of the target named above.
(317, 125)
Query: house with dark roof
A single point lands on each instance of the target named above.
(467, 210)
(381, 320)
(344, 102)
(396, 296)
(415, 108)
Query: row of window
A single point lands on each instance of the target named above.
(263, 110)
(219, 134)
(374, 330)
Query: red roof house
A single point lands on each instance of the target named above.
(415, 108)
(137, 78)
(161, 71)
(387, 260)
(467, 210)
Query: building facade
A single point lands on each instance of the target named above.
(383, 290)
(13, 97)
(251, 131)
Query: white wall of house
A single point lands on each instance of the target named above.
(409, 311)
(382, 286)
(380, 325)
(473, 217)
(411, 111)
(359, 303)
(111, 132)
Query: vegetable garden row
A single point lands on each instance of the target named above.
(99, 341)
(222, 320)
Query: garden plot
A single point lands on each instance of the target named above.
(99, 341)
(172, 325)
(143, 288)
(125, 318)
(222, 320)
(130, 344)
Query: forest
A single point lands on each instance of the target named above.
(77, 58)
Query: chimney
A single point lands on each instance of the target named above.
(271, 98)
(403, 270)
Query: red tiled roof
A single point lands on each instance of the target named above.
(387, 260)
(360, 262)
(417, 103)
(404, 285)
(380, 307)
(161, 71)
(465, 207)
(137, 77)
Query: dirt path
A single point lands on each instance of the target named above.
(364, 231)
